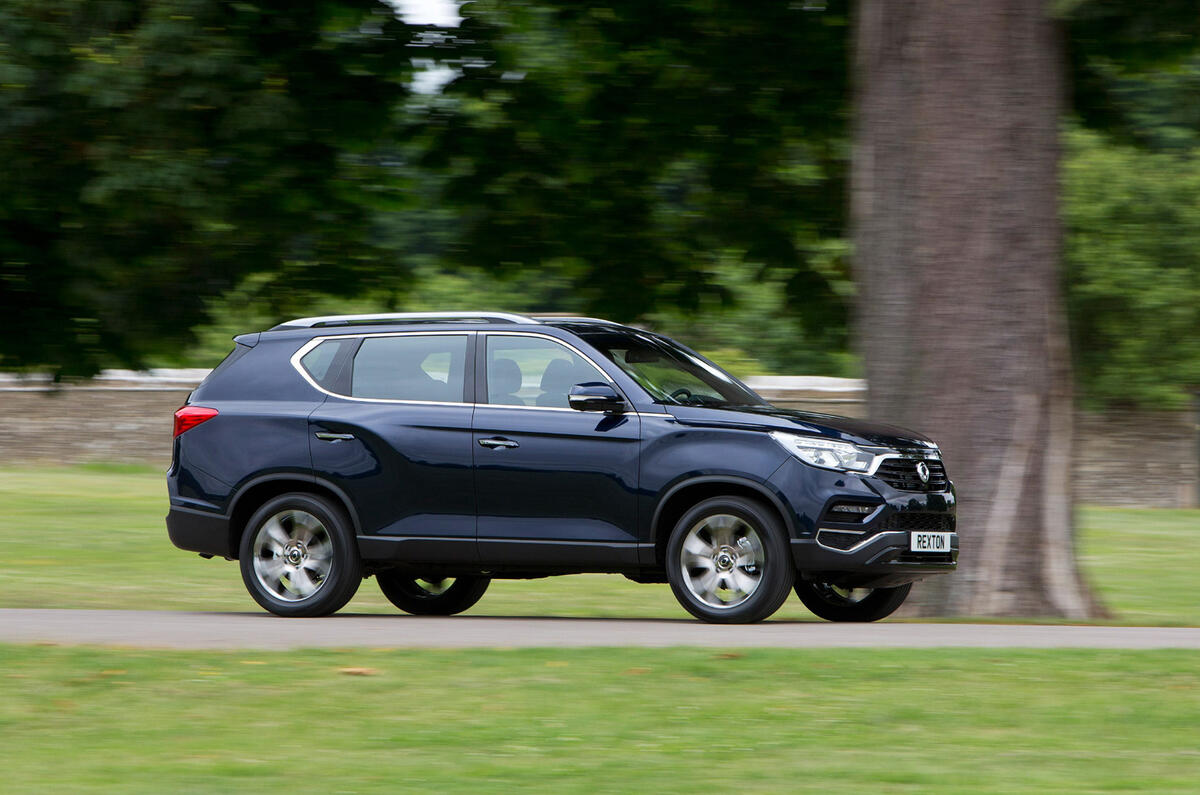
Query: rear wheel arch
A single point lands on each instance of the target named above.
(258, 491)
(683, 496)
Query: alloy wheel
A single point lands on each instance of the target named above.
(293, 555)
(722, 561)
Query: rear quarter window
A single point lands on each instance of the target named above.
(325, 362)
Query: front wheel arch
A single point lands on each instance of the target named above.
(683, 496)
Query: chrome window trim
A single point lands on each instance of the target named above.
(568, 346)
(315, 341)
(526, 408)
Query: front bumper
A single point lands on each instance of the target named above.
(867, 551)
(882, 561)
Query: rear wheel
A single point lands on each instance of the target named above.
(434, 596)
(299, 557)
(834, 603)
(728, 561)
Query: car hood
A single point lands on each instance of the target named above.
(770, 418)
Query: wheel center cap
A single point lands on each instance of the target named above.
(295, 553)
(725, 558)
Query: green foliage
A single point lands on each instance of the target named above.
(1112, 42)
(641, 145)
(753, 332)
(181, 164)
(760, 330)
(157, 151)
(433, 288)
(1133, 270)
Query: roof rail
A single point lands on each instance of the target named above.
(404, 317)
(573, 319)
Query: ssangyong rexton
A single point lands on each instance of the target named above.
(436, 452)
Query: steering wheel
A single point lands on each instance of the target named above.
(683, 393)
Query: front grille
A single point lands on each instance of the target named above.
(901, 473)
(910, 520)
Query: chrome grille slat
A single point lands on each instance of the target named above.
(901, 473)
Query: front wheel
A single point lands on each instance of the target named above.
(432, 596)
(728, 561)
(834, 603)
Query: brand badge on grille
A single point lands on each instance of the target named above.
(923, 471)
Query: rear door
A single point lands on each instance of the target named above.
(395, 435)
(554, 485)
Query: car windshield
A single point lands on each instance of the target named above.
(669, 372)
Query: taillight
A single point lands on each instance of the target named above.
(189, 417)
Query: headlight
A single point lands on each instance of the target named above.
(826, 453)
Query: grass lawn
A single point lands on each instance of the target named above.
(94, 537)
(599, 720)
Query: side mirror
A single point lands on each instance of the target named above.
(595, 396)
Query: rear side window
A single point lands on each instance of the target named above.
(411, 367)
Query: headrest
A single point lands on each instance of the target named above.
(504, 377)
(560, 376)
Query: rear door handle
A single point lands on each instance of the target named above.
(497, 443)
(333, 437)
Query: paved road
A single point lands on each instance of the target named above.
(178, 630)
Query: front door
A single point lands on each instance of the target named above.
(550, 481)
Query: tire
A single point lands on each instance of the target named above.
(749, 569)
(857, 604)
(443, 597)
(299, 556)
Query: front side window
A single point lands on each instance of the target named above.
(670, 373)
(534, 371)
(411, 367)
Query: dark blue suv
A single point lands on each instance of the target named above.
(438, 451)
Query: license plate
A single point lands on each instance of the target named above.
(929, 542)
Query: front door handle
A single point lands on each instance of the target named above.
(497, 443)
(333, 437)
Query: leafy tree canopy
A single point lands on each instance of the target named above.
(1133, 271)
(157, 151)
(640, 144)
(655, 161)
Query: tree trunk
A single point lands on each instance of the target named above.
(960, 316)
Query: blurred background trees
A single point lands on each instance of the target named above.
(156, 153)
(174, 168)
